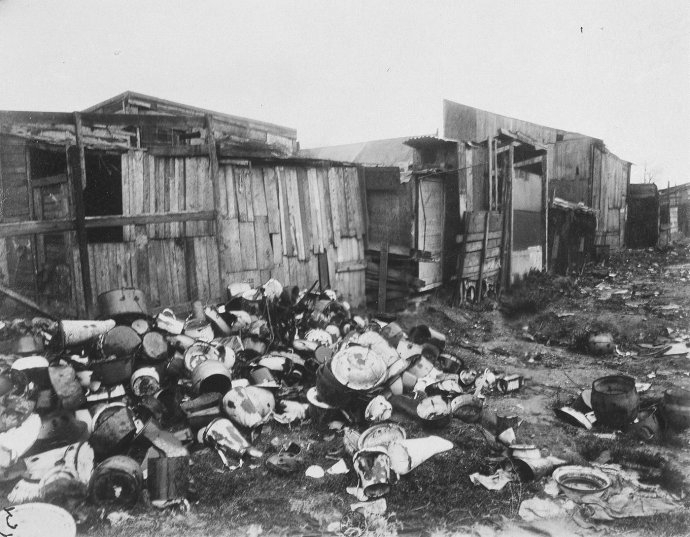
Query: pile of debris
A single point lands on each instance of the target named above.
(103, 410)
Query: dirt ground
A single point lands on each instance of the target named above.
(640, 297)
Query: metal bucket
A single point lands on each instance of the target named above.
(125, 303)
(211, 376)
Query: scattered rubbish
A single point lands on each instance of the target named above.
(338, 468)
(496, 481)
(575, 417)
(646, 426)
(511, 383)
(537, 508)
(677, 349)
(406, 455)
(315, 471)
(601, 343)
(284, 463)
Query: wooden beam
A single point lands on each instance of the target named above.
(545, 210)
(350, 266)
(35, 227)
(528, 162)
(491, 171)
(113, 120)
(49, 181)
(482, 257)
(199, 150)
(26, 301)
(78, 185)
(506, 209)
(148, 218)
(457, 295)
(383, 277)
(217, 215)
(474, 237)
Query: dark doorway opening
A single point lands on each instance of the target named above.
(103, 194)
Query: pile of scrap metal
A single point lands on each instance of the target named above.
(101, 410)
(572, 229)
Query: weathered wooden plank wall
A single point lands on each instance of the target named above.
(277, 220)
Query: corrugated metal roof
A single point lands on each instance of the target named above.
(388, 152)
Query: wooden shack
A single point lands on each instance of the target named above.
(89, 206)
(580, 168)
(502, 199)
(411, 196)
(674, 202)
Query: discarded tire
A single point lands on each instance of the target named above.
(615, 400)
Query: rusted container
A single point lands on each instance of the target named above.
(676, 408)
(615, 400)
(117, 482)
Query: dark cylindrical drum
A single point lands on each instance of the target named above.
(676, 408)
(615, 400)
(117, 481)
(112, 430)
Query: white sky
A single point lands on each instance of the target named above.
(348, 71)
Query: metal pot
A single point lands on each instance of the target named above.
(122, 303)
(615, 400)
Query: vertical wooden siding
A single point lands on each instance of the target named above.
(274, 222)
(277, 220)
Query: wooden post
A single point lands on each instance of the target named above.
(482, 256)
(491, 170)
(215, 181)
(495, 164)
(457, 297)
(383, 276)
(511, 177)
(545, 211)
(78, 185)
(506, 246)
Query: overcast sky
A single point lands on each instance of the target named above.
(350, 71)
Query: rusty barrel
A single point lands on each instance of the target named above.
(615, 400)
(117, 481)
(676, 408)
